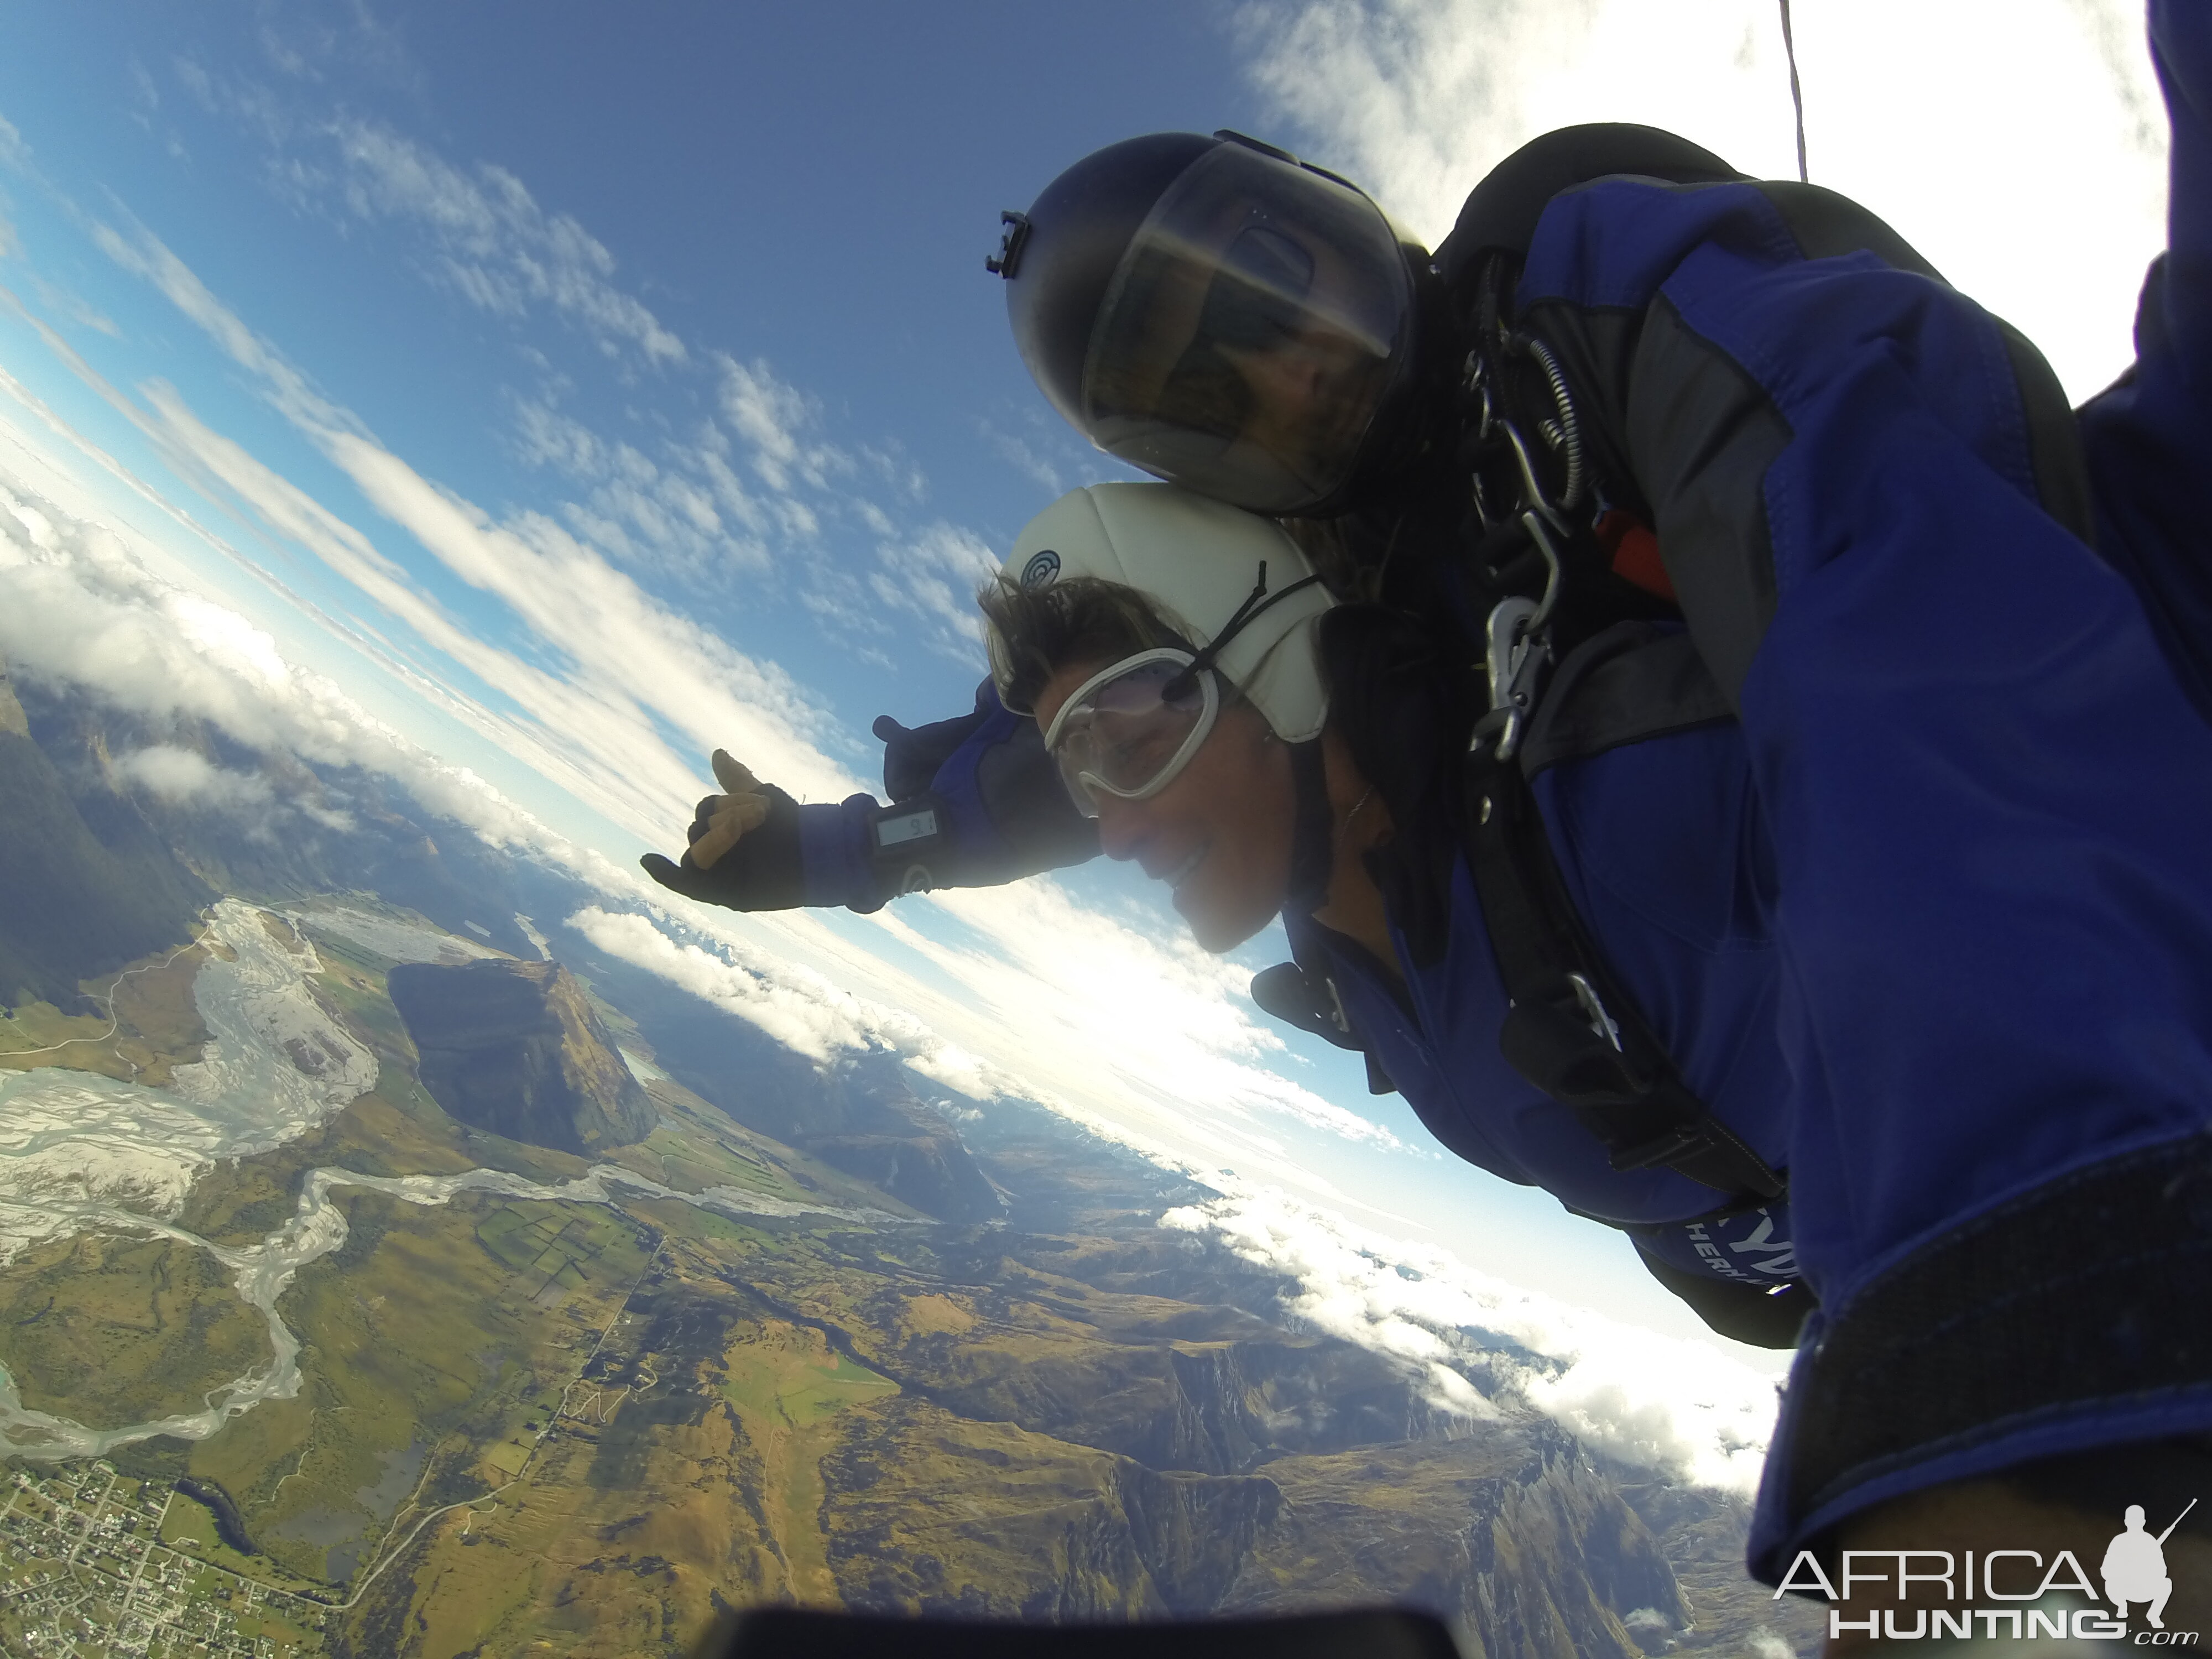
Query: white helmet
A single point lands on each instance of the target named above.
(1203, 564)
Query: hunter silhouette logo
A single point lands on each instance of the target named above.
(2135, 1566)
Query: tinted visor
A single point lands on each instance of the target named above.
(1251, 333)
(1130, 728)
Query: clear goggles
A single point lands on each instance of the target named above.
(1130, 728)
(1250, 334)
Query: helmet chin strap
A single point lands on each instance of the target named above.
(1313, 839)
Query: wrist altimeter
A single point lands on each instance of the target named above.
(910, 845)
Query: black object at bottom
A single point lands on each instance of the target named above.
(787, 1633)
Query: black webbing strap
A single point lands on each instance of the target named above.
(1569, 1028)
(1313, 835)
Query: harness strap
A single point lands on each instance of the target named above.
(1313, 837)
(1570, 1029)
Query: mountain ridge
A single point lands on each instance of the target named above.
(514, 1047)
(87, 885)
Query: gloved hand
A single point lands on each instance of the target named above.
(744, 852)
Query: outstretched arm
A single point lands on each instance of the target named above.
(976, 801)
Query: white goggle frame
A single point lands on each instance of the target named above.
(1081, 783)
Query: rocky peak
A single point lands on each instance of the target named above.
(515, 1048)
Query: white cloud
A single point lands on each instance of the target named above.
(932, 577)
(545, 437)
(778, 421)
(723, 501)
(485, 237)
(1115, 1021)
(69, 304)
(145, 255)
(633, 667)
(1098, 999)
(1765, 1643)
(1018, 454)
(180, 776)
(632, 656)
(80, 609)
(688, 515)
(1971, 140)
(816, 1019)
(495, 245)
(1656, 1402)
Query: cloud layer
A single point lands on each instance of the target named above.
(1651, 1400)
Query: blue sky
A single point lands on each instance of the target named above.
(554, 392)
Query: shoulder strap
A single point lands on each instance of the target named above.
(1570, 1029)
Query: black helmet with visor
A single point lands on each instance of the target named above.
(1217, 313)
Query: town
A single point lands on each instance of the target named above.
(86, 1573)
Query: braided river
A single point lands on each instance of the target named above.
(80, 1152)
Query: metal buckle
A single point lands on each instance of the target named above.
(1336, 1015)
(1601, 1022)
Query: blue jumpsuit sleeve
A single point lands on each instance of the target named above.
(2148, 440)
(1985, 794)
(1003, 810)
(835, 855)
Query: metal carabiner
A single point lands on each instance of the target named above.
(1516, 654)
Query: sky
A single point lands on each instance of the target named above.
(526, 400)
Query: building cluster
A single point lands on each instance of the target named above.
(84, 1573)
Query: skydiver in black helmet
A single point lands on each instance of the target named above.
(1786, 727)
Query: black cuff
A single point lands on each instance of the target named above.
(2081, 1300)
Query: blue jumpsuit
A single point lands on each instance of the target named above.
(1929, 924)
